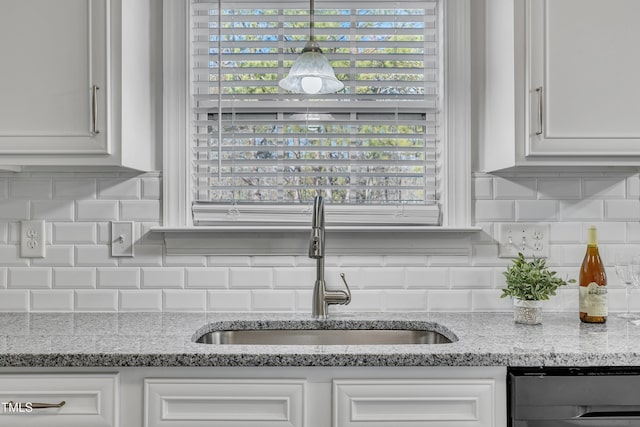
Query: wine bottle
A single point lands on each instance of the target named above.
(593, 283)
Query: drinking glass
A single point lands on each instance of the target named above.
(628, 271)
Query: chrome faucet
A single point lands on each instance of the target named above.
(321, 296)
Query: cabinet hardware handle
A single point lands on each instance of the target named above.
(540, 123)
(94, 109)
(37, 405)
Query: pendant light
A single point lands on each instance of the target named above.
(311, 73)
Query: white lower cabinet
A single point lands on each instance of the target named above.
(59, 400)
(329, 397)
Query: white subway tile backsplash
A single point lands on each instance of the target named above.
(427, 277)
(622, 210)
(10, 256)
(147, 300)
(119, 189)
(140, 210)
(14, 300)
(144, 255)
(633, 187)
(293, 278)
(185, 260)
(514, 189)
(14, 209)
(74, 277)
(207, 277)
(79, 273)
(405, 300)
(604, 188)
(48, 300)
(274, 261)
(74, 189)
(31, 189)
(73, 232)
(56, 255)
(4, 189)
(94, 255)
(583, 210)
(224, 300)
(489, 300)
(560, 189)
(360, 261)
(273, 300)
(495, 210)
(483, 187)
(565, 232)
(29, 277)
(449, 300)
(96, 300)
(304, 301)
(246, 278)
(4, 233)
(96, 210)
(404, 261)
(151, 188)
(473, 277)
(184, 300)
(376, 278)
(361, 301)
(162, 277)
(486, 254)
(52, 210)
(229, 261)
(118, 277)
(536, 210)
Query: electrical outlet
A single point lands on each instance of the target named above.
(122, 238)
(32, 239)
(529, 239)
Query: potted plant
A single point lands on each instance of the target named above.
(529, 283)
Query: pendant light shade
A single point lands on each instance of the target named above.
(311, 73)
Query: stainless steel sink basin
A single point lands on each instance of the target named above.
(323, 337)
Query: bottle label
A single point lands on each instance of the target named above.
(593, 300)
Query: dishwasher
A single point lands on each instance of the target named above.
(580, 396)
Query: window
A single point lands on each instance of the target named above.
(392, 148)
(374, 144)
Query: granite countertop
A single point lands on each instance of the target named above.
(167, 339)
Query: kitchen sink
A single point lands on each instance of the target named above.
(323, 337)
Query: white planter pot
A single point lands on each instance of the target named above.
(527, 312)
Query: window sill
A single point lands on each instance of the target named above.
(294, 240)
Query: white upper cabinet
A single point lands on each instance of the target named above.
(561, 84)
(66, 84)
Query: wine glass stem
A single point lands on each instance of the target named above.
(627, 291)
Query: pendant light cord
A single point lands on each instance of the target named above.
(311, 19)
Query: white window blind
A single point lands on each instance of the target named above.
(261, 154)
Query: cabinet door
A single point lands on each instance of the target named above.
(53, 76)
(77, 400)
(584, 89)
(223, 402)
(414, 403)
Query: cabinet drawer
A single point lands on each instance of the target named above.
(409, 403)
(224, 402)
(89, 400)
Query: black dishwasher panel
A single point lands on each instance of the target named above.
(562, 397)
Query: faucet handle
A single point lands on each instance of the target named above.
(348, 300)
